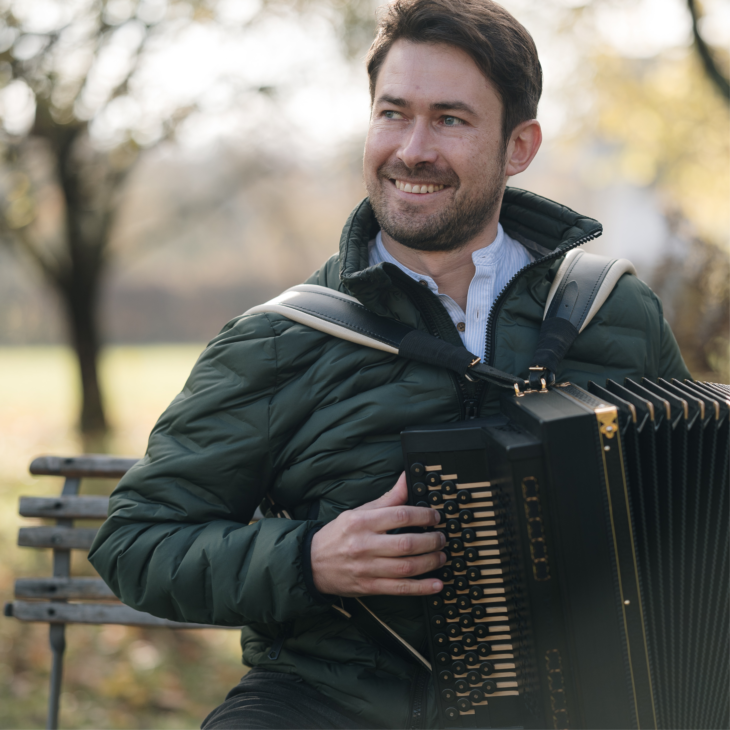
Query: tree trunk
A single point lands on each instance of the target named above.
(80, 300)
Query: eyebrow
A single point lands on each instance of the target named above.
(436, 106)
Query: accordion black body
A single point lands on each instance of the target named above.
(586, 582)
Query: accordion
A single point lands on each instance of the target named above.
(586, 581)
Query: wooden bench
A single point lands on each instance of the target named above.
(63, 599)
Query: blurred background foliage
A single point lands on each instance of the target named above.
(166, 164)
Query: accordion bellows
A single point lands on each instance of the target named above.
(586, 582)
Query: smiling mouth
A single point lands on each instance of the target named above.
(418, 188)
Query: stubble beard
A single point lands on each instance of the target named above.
(450, 228)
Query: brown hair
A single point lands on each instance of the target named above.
(500, 46)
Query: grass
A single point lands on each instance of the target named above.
(115, 676)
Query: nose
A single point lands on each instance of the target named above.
(418, 145)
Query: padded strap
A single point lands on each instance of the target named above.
(581, 286)
(343, 316)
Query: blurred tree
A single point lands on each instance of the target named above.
(67, 68)
(663, 122)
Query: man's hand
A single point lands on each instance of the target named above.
(352, 555)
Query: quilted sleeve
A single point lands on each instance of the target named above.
(177, 542)
(671, 362)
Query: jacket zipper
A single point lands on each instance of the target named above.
(497, 304)
(418, 712)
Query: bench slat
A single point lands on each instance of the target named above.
(75, 508)
(111, 467)
(63, 538)
(67, 588)
(95, 613)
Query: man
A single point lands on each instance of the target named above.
(275, 407)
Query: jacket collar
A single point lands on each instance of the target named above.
(539, 224)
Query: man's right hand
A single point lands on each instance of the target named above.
(353, 555)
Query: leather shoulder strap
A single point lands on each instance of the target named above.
(345, 317)
(580, 288)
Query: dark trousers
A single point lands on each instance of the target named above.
(276, 701)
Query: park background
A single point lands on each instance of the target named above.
(166, 164)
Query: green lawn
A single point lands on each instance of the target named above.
(115, 677)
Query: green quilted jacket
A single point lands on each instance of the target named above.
(273, 406)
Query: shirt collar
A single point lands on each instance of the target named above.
(481, 257)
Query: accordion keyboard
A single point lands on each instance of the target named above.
(472, 621)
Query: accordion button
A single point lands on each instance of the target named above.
(452, 611)
(456, 545)
(420, 489)
(451, 508)
(463, 704)
(463, 603)
(474, 574)
(458, 667)
(473, 677)
(469, 535)
(479, 612)
(446, 676)
(448, 695)
(476, 695)
(461, 686)
(476, 592)
(436, 602)
(489, 687)
(441, 640)
(486, 668)
(469, 640)
(456, 649)
(448, 487)
(451, 712)
(443, 659)
(433, 479)
(453, 630)
(481, 631)
(453, 525)
(441, 515)
(466, 517)
(484, 650)
(463, 497)
(471, 554)
(418, 470)
(449, 593)
(423, 504)
(461, 583)
(438, 621)
(435, 498)
(445, 574)
(471, 658)
(458, 565)
(466, 622)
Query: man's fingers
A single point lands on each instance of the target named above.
(384, 519)
(406, 567)
(397, 495)
(409, 543)
(387, 587)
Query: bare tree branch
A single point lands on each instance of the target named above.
(720, 81)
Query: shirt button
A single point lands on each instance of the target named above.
(461, 326)
(423, 281)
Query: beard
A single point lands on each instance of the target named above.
(458, 222)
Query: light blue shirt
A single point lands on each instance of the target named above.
(495, 265)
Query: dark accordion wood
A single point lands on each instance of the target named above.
(586, 582)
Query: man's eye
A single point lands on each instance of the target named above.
(391, 114)
(452, 121)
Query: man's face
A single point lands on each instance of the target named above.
(434, 160)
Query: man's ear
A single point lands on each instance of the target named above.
(524, 142)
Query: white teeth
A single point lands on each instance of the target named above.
(418, 189)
